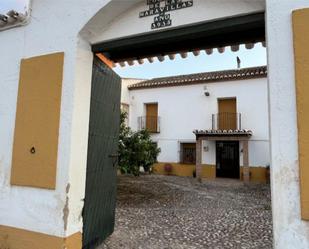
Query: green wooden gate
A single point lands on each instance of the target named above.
(100, 198)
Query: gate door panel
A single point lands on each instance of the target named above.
(100, 197)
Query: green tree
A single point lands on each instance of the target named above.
(136, 149)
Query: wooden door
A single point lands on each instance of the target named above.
(227, 154)
(100, 197)
(227, 116)
(152, 117)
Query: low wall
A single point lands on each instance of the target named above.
(257, 174)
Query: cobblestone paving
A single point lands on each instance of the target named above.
(167, 212)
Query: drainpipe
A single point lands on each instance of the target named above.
(14, 18)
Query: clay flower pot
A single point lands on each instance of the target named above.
(168, 168)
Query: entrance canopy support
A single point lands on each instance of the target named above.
(246, 167)
(198, 167)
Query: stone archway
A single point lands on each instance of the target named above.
(94, 33)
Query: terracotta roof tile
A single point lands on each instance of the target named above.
(200, 78)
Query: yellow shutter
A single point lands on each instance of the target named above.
(152, 117)
(34, 161)
(301, 51)
(227, 114)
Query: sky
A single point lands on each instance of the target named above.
(7, 5)
(196, 64)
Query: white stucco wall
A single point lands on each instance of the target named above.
(202, 10)
(51, 29)
(125, 93)
(183, 109)
(289, 230)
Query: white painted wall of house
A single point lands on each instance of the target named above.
(125, 94)
(183, 109)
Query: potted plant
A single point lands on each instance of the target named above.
(168, 168)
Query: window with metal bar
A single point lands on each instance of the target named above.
(188, 153)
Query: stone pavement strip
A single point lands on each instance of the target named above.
(168, 212)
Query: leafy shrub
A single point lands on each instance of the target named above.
(136, 149)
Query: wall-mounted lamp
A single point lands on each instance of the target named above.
(206, 92)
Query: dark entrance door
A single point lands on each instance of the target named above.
(100, 198)
(227, 153)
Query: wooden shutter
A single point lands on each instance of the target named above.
(35, 149)
(227, 117)
(152, 117)
(301, 52)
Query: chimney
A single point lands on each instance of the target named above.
(238, 63)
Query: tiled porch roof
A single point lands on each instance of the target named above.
(247, 133)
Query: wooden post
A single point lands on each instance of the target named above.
(246, 168)
(198, 167)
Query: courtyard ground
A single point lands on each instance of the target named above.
(167, 212)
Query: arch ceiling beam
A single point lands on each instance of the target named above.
(13, 19)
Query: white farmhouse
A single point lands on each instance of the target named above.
(230, 107)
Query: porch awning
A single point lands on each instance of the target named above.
(223, 133)
(218, 34)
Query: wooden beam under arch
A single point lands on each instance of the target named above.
(105, 60)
